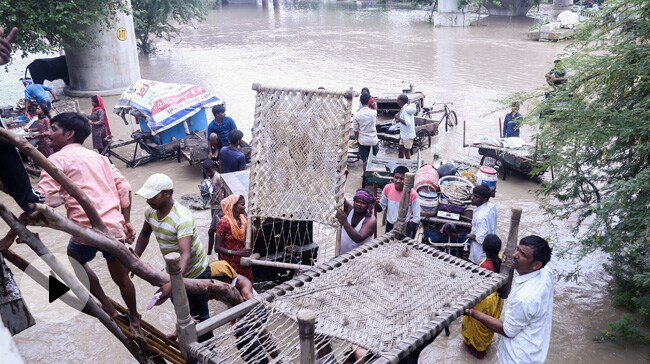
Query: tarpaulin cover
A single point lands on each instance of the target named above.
(165, 104)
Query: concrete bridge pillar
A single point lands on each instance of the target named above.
(110, 66)
(449, 14)
(560, 6)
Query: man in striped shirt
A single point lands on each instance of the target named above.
(175, 230)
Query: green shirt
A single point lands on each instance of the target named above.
(178, 224)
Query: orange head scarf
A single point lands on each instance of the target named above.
(238, 232)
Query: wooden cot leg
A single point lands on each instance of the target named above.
(306, 328)
(185, 327)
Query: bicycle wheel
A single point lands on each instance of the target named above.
(452, 119)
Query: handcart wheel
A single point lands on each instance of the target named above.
(422, 140)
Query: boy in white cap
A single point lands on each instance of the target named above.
(175, 229)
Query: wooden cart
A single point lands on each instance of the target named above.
(386, 104)
(425, 128)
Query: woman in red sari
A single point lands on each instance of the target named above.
(99, 123)
(231, 233)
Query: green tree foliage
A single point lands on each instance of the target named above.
(46, 26)
(596, 135)
(164, 19)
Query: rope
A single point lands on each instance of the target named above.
(378, 297)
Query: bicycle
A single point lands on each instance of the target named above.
(449, 116)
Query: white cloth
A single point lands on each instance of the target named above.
(484, 222)
(568, 19)
(407, 114)
(527, 319)
(365, 123)
(347, 243)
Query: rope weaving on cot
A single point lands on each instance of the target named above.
(383, 296)
(299, 154)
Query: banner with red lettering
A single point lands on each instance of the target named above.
(165, 104)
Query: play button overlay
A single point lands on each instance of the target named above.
(59, 303)
(57, 289)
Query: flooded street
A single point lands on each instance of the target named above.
(338, 46)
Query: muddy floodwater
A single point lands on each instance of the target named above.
(338, 46)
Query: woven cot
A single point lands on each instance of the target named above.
(388, 296)
(299, 153)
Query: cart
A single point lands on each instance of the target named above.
(525, 160)
(386, 104)
(171, 121)
(425, 128)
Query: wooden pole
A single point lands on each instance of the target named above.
(464, 131)
(500, 129)
(225, 317)
(306, 329)
(70, 280)
(506, 266)
(73, 190)
(185, 327)
(248, 261)
(404, 204)
(216, 290)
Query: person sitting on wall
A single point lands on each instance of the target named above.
(371, 101)
(391, 197)
(231, 158)
(218, 131)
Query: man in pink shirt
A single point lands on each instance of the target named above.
(108, 191)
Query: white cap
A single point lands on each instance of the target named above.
(154, 184)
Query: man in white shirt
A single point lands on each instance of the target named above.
(528, 313)
(484, 222)
(364, 124)
(407, 128)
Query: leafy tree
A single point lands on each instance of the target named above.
(164, 19)
(596, 137)
(45, 26)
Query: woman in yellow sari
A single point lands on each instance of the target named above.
(477, 337)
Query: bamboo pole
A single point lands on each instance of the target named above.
(500, 129)
(49, 218)
(464, 131)
(75, 192)
(70, 280)
(185, 327)
(506, 266)
(224, 317)
(404, 204)
(306, 327)
(253, 260)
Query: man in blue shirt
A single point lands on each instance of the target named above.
(218, 130)
(231, 158)
(39, 93)
(511, 122)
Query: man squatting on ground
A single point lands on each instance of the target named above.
(528, 314)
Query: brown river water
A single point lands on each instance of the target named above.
(337, 46)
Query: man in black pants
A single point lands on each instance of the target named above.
(13, 176)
